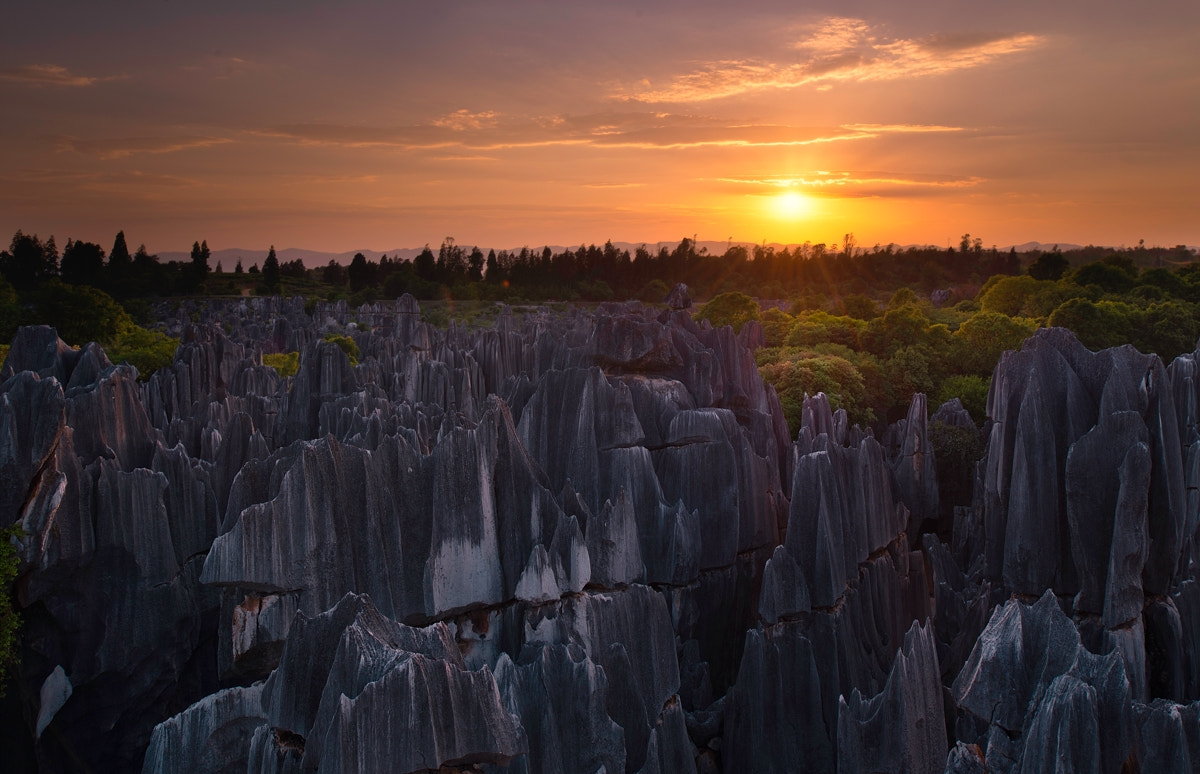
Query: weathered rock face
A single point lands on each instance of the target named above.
(486, 479)
(837, 597)
(903, 728)
(1043, 701)
(585, 541)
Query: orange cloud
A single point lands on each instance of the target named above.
(120, 148)
(48, 75)
(462, 120)
(850, 184)
(651, 131)
(835, 51)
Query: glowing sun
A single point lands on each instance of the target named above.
(791, 205)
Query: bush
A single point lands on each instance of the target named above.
(982, 338)
(1007, 295)
(735, 309)
(10, 619)
(776, 324)
(653, 292)
(956, 450)
(145, 350)
(286, 363)
(806, 372)
(10, 311)
(346, 344)
(597, 290)
(971, 390)
(80, 313)
(1096, 324)
(818, 327)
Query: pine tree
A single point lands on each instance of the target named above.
(119, 261)
(270, 272)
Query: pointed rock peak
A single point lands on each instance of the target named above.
(816, 415)
(38, 348)
(407, 305)
(679, 297)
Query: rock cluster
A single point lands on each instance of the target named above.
(584, 541)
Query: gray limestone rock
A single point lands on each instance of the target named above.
(916, 469)
(953, 414)
(903, 728)
(1042, 693)
(560, 696)
(1065, 730)
(32, 417)
(1168, 736)
(437, 716)
(679, 297)
(784, 590)
(778, 687)
(631, 446)
(1107, 478)
(213, 734)
(965, 759)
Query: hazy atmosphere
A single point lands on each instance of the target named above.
(381, 126)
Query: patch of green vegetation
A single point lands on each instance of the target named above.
(435, 316)
(145, 350)
(972, 392)
(10, 619)
(734, 309)
(346, 344)
(286, 363)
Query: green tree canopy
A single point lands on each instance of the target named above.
(1049, 266)
(82, 263)
(80, 313)
(985, 335)
(734, 309)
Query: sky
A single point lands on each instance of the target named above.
(367, 125)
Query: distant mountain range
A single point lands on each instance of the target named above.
(229, 257)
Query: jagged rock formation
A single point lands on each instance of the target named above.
(837, 598)
(584, 541)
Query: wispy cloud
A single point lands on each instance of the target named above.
(18, 179)
(463, 120)
(837, 50)
(850, 183)
(119, 148)
(646, 130)
(48, 75)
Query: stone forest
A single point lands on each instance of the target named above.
(585, 540)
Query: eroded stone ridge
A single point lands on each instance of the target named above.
(584, 541)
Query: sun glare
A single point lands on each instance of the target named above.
(791, 205)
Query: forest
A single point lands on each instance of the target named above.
(868, 326)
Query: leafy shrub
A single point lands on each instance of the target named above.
(653, 292)
(10, 619)
(80, 313)
(985, 335)
(286, 363)
(346, 344)
(818, 327)
(970, 389)
(734, 309)
(145, 350)
(804, 372)
(1007, 295)
(776, 324)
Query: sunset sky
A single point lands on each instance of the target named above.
(352, 125)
